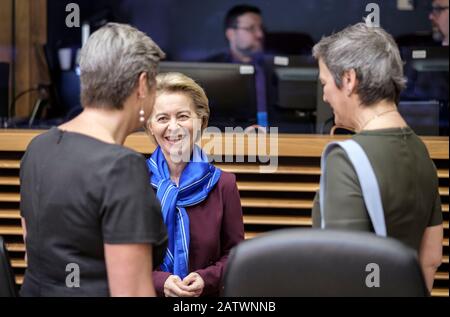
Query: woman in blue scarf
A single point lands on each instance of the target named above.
(200, 203)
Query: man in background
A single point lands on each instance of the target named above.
(245, 35)
(244, 31)
(439, 19)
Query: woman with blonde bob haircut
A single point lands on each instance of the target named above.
(362, 76)
(200, 203)
(86, 203)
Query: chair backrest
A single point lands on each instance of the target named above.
(291, 43)
(307, 262)
(7, 283)
(416, 39)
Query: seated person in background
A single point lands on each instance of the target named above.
(362, 76)
(85, 199)
(432, 85)
(200, 203)
(439, 19)
(244, 31)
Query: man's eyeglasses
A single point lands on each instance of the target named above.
(437, 10)
(250, 29)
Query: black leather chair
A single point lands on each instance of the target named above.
(307, 262)
(289, 43)
(418, 39)
(8, 286)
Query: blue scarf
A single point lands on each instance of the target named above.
(196, 182)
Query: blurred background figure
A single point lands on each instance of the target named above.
(244, 30)
(439, 20)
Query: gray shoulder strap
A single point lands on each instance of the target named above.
(367, 179)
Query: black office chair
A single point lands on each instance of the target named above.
(307, 262)
(288, 43)
(8, 286)
(416, 39)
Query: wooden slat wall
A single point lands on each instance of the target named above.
(30, 30)
(6, 31)
(270, 201)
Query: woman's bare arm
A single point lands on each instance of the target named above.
(430, 254)
(129, 269)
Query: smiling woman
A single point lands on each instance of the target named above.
(200, 203)
(173, 123)
(181, 111)
(362, 76)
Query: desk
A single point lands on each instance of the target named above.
(270, 200)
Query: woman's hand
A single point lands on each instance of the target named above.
(194, 283)
(174, 287)
(191, 286)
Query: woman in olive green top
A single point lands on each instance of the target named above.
(362, 76)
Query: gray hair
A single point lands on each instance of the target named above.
(372, 53)
(111, 62)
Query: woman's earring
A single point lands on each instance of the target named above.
(141, 115)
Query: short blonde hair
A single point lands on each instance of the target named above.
(178, 82)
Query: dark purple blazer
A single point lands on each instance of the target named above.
(216, 226)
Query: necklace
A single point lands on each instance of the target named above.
(377, 116)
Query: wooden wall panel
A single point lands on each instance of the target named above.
(270, 201)
(6, 48)
(31, 29)
(6, 31)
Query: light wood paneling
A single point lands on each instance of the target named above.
(288, 145)
(9, 197)
(270, 201)
(277, 220)
(9, 214)
(11, 230)
(31, 30)
(276, 203)
(6, 31)
(15, 247)
(9, 180)
(9, 164)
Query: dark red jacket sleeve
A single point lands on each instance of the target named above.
(232, 232)
(159, 278)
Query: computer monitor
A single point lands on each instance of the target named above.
(230, 89)
(421, 116)
(427, 59)
(426, 69)
(292, 92)
(48, 104)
